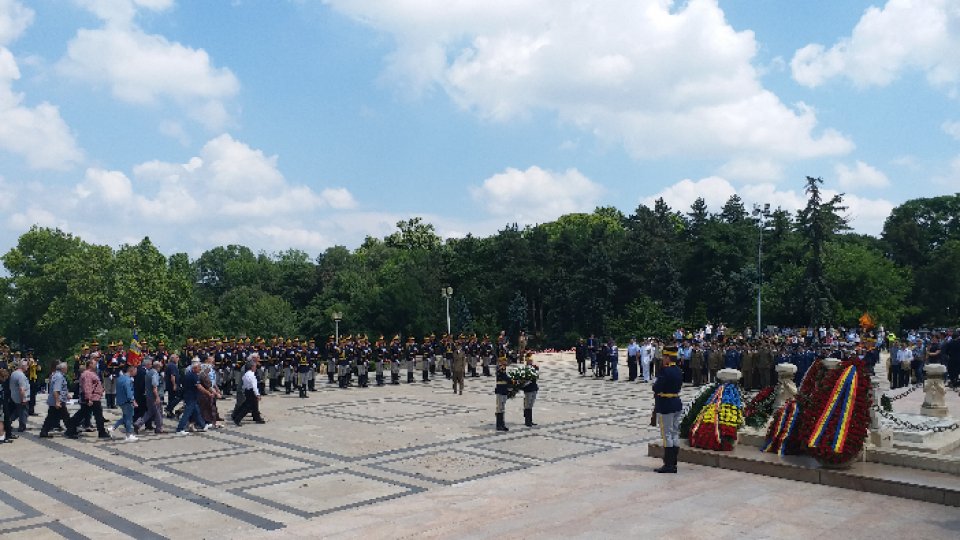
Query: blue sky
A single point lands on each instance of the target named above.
(311, 123)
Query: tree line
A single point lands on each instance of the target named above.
(603, 272)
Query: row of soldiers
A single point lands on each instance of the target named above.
(296, 364)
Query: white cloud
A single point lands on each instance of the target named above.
(227, 193)
(536, 195)
(111, 187)
(951, 128)
(142, 68)
(659, 77)
(866, 215)
(38, 133)
(903, 35)
(859, 176)
(15, 18)
(339, 198)
(752, 170)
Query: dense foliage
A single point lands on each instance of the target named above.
(603, 273)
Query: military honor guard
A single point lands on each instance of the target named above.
(396, 353)
(530, 393)
(486, 355)
(332, 352)
(502, 392)
(303, 371)
(668, 408)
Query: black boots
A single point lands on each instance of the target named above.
(669, 460)
(501, 426)
(528, 417)
(409, 377)
(111, 400)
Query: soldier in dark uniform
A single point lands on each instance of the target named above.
(530, 393)
(426, 353)
(331, 353)
(343, 366)
(411, 351)
(472, 350)
(303, 371)
(396, 353)
(382, 358)
(364, 355)
(502, 392)
(448, 349)
(486, 355)
(667, 406)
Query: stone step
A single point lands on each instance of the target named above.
(881, 478)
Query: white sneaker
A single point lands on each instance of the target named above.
(131, 438)
(206, 427)
(183, 432)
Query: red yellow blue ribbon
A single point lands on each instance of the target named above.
(842, 397)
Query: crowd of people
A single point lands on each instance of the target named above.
(205, 371)
(702, 353)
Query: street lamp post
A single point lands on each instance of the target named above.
(447, 293)
(761, 215)
(337, 317)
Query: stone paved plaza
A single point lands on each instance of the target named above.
(414, 461)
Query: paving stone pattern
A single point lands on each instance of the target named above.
(406, 461)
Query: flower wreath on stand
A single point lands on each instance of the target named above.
(717, 422)
(760, 408)
(698, 403)
(837, 426)
(783, 434)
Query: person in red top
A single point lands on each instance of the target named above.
(92, 391)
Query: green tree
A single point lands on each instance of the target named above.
(819, 222)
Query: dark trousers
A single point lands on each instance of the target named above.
(96, 410)
(8, 419)
(632, 368)
(250, 405)
(953, 371)
(34, 389)
(173, 398)
(902, 376)
(54, 417)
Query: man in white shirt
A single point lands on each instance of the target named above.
(902, 369)
(646, 356)
(251, 394)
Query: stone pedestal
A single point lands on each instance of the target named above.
(728, 375)
(786, 389)
(831, 363)
(880, 437)
(934, 392)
